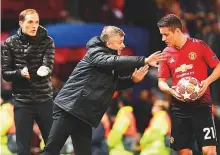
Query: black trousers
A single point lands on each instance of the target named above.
(24, 116)
(65, 124)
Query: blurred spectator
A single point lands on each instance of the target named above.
(153, 139)
(7, 129)
(122, 137)
(113, 108)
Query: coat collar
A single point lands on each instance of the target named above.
(96, 42)
(41, 33)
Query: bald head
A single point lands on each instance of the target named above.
(110, 31)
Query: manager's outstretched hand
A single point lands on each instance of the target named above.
(155, 58)
(138, 75)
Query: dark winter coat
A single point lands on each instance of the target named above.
(89, 89)
(21, 51)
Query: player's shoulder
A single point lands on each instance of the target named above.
(169, 49)
(196, 41)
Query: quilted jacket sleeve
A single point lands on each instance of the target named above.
(124, 82)
(48, 59)
(101, 59)
(8, 73)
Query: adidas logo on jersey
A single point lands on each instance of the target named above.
(172, 60)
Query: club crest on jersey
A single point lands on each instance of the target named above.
(192, 55)
(184, 67)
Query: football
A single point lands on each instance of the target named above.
(188, 88)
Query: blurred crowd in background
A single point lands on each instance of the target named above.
(201, 19)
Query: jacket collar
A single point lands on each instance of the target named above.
(114, 52)
(41, 33)
(97, 43)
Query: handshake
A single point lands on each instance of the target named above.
(42, 71)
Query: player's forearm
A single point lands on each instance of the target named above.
(215, 74)
(164, 86)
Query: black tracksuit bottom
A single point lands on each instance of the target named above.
(65, 124)
(24, 115)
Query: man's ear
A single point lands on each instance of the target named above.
(20, 23)
(107, 44)
(178, 30)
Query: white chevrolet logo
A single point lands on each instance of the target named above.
(184, 67)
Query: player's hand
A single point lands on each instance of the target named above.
(175, 94)
(25, 73)
(43, 71)
(138, 75)
(155, 58)
(204, 85)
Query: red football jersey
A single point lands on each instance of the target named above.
(191, 60)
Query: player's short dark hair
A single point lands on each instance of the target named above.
(171, 21)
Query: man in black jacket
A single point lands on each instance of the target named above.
(84, 98)
(27, 62)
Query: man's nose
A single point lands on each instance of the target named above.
(34, 25)
(163, 38)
